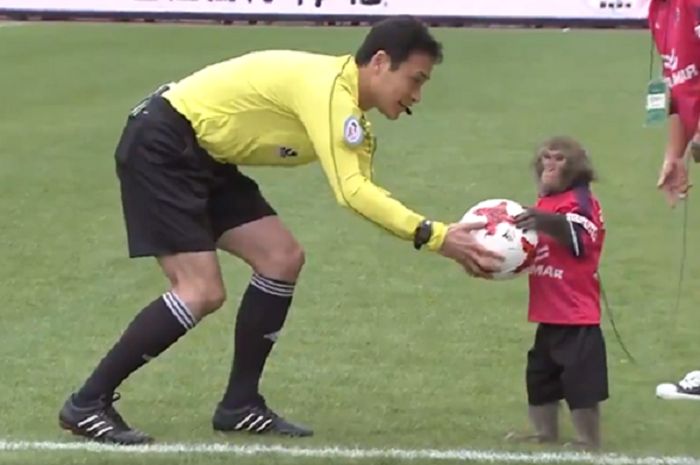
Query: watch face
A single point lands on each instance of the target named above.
(426, 230)
(423, 233)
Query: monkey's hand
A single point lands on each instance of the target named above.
(552, 224)
(537, 220)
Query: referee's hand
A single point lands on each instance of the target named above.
(461, 246)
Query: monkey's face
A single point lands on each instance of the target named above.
(553, 177)
(561, 163)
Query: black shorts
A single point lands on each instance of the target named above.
(567, 362)
(175, 196)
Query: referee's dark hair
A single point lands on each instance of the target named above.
(398, 37)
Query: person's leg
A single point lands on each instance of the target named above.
(250, 230)
(164, 202)
(276, 260)
(196, 290)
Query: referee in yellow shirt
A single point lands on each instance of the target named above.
(183, 198)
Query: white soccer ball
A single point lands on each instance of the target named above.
(502, 236)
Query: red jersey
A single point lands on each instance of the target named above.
(675, 27)
(564, 287)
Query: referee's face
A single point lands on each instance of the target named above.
(399, 88)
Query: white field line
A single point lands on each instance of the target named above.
(464, 455)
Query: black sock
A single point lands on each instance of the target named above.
(154, 329)
(260, 318)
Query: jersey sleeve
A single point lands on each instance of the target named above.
(337, 131)
(582, 225)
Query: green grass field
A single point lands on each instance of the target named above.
(385, 347)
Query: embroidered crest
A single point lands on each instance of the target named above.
(353, 132)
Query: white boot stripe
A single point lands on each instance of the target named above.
(242, 423)
(257, 420)
(103, 431)
(87, 420)
(96, 425)
(264, 426)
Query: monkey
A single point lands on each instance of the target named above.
(568, 166)
(568, 358)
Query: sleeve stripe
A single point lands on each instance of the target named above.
(585, 223)
(574, 239)
(332, 150)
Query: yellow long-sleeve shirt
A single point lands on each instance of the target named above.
(287, 108)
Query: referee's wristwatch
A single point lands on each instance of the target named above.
(423, 233)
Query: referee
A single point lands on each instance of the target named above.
(184, 197)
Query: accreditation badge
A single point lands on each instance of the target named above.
(657, 103)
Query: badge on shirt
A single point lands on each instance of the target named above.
(353, 133)
(657, 102)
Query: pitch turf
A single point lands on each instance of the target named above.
(385, 347)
